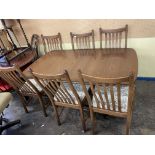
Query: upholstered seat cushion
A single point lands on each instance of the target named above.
(78, 89)
(124, 98)
(34, 83)
(5, 98)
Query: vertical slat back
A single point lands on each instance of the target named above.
(106, 96)
(13, 78)
(17, 80)
(106, 92)
(119, 96)
(83, 41)
(114, 38)
(116, 45)
(92, 86)
(58, 87)
(52, 43)
(109, 40)
(99, 89)
(112, 97)
(120, 39)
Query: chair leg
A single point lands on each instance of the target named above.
(42, 106)
(128, 125)
(82, 120)
(93, 120)
(23, 102)
(57, 115)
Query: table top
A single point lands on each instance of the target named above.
(108, 63)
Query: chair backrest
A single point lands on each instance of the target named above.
(83, 41)
(109, 94)
(52, 43)
(58, 88)
(113, 38)
(35, 44)
(34, 41)
(4, 41)
(15, 77)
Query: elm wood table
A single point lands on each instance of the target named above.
(110, 63)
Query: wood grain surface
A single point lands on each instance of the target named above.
(110, 63)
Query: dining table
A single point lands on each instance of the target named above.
(106, 63)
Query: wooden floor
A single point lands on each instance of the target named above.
(143, 121)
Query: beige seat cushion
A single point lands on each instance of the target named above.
(124, 98)
(5, 98)
(34, 83)
(78, 89)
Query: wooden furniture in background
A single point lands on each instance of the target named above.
(9, 25)
(4, 42)
(22, 86)
(99, 62)
(35, 40)
(13, 51)
(24, 34)
(9, 30)
(110, 96)
(24, 58)
(113, 38)
(52, 43)
(61, 92)
(83, 41)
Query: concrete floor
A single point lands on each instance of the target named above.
(34, 123)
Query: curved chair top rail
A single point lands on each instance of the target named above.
(83, 40)
(113, 38)
(52, 43)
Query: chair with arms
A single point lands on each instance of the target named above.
(5, 99)
(61, 93)
(23, 86)
(83, 41)
(111, 96)
(52, 43)
(113, 38)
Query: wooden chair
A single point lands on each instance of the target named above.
(83, 41)
(113, 38)
(61, 93)
(110, 96)
(35, 44)
(22, 86)
(52, 43)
